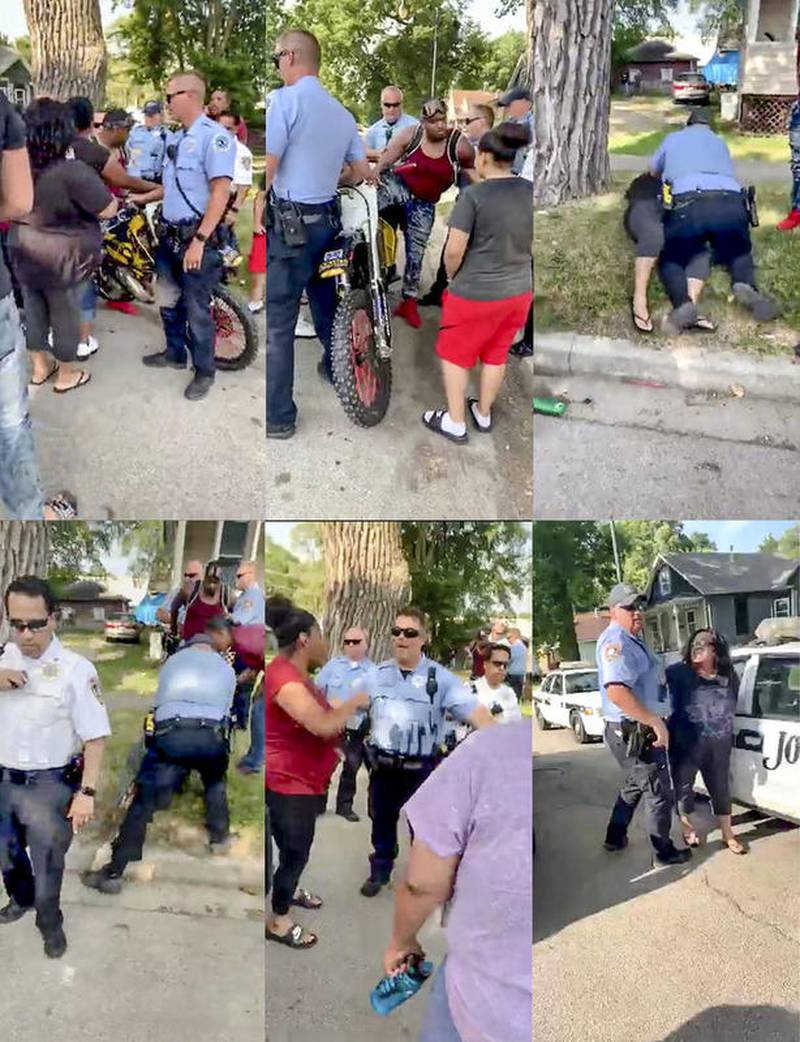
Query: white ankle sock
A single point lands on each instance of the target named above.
(483, 421)
(451, 426)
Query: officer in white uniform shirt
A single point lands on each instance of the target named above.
(491, 689)
(52, 730)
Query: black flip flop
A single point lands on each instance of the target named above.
(434, 423)
(83, 379)
(38, 383)
(308, 900)
(64, 505)
(292, 939)
(636, 319)
(472, 403)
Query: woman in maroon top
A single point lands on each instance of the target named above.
(301, 734)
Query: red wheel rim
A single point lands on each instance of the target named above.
(360, 341)
(229, 338)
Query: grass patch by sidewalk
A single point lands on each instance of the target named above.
(129, 679)
(772, 149)
(583, 276)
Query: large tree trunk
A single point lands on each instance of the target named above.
(366, 581)
(571, 98)
(67, 48)
(23, 551)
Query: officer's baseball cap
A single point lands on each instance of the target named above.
(152, 108)
(624, 596)
(702, 114)
(515, 94)
(198, 638)
(117, 118)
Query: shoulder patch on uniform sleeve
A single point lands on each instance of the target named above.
(96, 690)
(247, 162)
(612, 650)
(222, 143)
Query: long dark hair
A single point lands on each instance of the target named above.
(503, 141)
(722, 652)
(286, 621)
(50, 127)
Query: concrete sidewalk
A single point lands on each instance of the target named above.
(129, 445)
(689, 367)
(748, 171)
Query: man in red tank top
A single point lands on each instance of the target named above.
(425, 162)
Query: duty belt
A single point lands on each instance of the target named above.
(18, 777)
(687, 198)
(379, 758)
(182, 723)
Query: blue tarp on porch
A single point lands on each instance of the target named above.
(723, 69)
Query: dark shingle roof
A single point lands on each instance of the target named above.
(712, 573)
(8, 57)
(657, 51)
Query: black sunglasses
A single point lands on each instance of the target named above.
(34, 625)
(391, 104)
(276, 58)
(353, 641)
(191, 575)
(406, 631)
(174, 94)
(637, 606)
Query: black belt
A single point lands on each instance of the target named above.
(405, 763)
(309, 208)
(704, 193)
(182, 723)
(17, 777)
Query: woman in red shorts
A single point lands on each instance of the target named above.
(257, 261)
(301, 734)
(488, 261)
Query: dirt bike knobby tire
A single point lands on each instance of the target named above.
(344, 379)
(237, 306)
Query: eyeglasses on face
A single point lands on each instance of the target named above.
(405, 631)
(353, 640)
(191, 575)
(391, 104)
(633, 608)
(174, 94)
(276, 58)
(34, 625)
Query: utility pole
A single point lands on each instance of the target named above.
(616, 551)
(435, 52)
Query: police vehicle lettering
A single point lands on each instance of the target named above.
(788, 751)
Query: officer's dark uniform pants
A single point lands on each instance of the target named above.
(353, 748)
(710, 756)
(164, 768)
(717, 218)
(33, 818)
(292, 820)
(389, 789)
(184, 298)
(290, 271)
(647, 782)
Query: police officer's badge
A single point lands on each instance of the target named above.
(222, 143)
(417, 680)
(50, 671)
(612, 651)
(96, 690)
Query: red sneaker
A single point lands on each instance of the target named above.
(790, 222)
(125, 306)
(407, 309)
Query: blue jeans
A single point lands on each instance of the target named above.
(794, 144)
(438, 1025)
(290, 270)
(253, 759)
(184, 298)
(88, 301)
(418, 217)
(20, 490)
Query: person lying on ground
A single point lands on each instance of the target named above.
(488, 257)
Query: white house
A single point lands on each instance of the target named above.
(768, 68)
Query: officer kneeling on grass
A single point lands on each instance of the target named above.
(635, 730)
(52, 732)
(409, 696)
(190, 731)
(197, 175)
(705, 204)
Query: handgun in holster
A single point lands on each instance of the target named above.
(749, 196)
(73, 772)
(288, 221)
(666, 195)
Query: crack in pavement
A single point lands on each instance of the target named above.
(747, 915)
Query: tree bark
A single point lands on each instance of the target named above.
(23, 551)
(68, 49)
(571, 99)
(366, 581)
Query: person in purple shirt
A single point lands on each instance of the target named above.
(471, 829)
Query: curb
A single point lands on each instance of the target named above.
(691, 368)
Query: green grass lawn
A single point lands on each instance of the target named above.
(244, 229)
(583, 275)
(129, 679)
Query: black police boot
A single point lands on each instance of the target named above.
(159, 360)
(12, 911)
(199, 387)
(616, 837)
(763, 309)
(672, 856)
(280, 430)
(101, 880)
(372, 886)
(348, 814)
(432, 299)
(55, 944)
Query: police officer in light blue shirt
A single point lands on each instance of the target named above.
(191, 709)
(409, 696)
(310, 138)
(704, 205)
(634, 698)
(518, 109)
(393, 119)
(147, 144)
(249, 607)
(197, 176)
(339, 678)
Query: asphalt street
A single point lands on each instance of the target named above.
(159, 961)
(128, 443)
(627, 451)
(322, 994)
(332, 469)
(704, 952)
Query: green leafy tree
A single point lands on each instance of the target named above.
(640, 541)
(503, 54)
(785, 545)
(718, 17)
(301, 578)
(76, 551)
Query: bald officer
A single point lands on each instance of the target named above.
(192, 709)
(310, 136)
(197, 176)
(707, 207)
(409, 696)
(249, 607)
(631, 692)
(52, 731)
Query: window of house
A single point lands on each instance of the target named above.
(742, 617)
(99, 614)
(781, 608)
(666, 74)
(19, 95)
(6, 89)
(690, 620)
(233, 547)
(665, 582)
(774, 23)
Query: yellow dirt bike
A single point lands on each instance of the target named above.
(361, 345)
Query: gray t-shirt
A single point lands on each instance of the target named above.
(498, 216)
